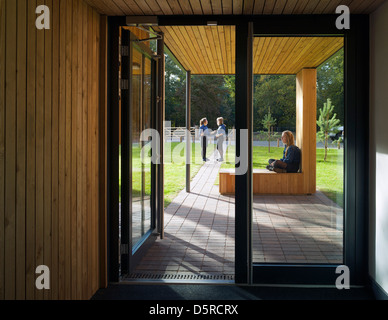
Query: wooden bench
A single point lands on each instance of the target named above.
(267, 182)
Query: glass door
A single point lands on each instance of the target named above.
(298, 117)
(298, 221)
(137, 170)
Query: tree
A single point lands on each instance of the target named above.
(338, 142)
(330, 83)
(211, 97)
(327, 123)
(279, 93)
(268, 122)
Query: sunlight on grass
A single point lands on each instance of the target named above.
(174, 172)
(329, 173)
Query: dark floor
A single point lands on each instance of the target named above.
(226, 292)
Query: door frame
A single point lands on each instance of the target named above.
(356, 162)
(356, 86)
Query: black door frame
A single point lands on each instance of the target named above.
(356, 83)
(356, 143)
(132, 253)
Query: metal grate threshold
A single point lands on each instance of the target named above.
(179, 278)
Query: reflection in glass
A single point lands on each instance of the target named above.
(141, 164)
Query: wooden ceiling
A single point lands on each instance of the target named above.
(289, 55)
(229, 7)
(211, 50)
(202, 49)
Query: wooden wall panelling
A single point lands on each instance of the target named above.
(49, 174)
(61, 144)
(73, 149)
(47, 146)
(102, 123)
(10, 149)
(89, 160)
(39, 150)
(95, 196)
(2, 144)
(79, 123)
(67, 155)
(85, 190)
(306, 128)
(30, 165)
(55, 151)
(21, 149)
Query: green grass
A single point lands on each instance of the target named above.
(329, 173)
(174, 170)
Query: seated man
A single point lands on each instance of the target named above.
(291, 156)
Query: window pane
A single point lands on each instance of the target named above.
(292, 222)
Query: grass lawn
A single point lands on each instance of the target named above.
(329, 173)
(174, 172)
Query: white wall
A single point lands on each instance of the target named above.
(378, 227)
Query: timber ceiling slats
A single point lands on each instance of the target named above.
(211, 50)
(228, 7)
(202, 49)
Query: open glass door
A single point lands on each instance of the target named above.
(137, 171)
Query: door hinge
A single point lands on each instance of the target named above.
(124, 248)
(124, 84)
(124, 51)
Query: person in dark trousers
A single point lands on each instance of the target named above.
(220, 136)
(291, 156)
(204, 133)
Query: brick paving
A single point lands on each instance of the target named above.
(199, 231)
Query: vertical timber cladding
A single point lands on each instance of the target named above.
(49, 149)
(306, 114)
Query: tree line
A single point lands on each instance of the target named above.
(213, 96)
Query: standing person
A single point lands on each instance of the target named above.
(204, 133)
(220, 136)
(291, 156)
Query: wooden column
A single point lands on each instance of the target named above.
(306, 115)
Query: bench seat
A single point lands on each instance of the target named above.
(266, 182)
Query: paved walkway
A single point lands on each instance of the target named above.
(199, 232)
